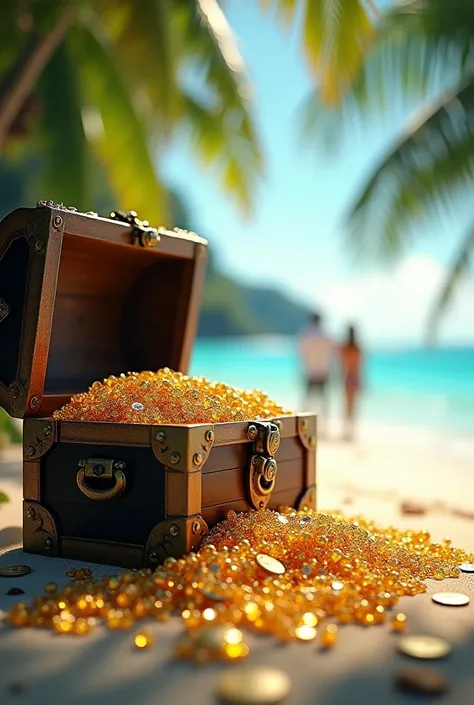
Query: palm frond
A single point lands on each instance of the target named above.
(417, 48)
(120, 139)
(144, 49)
(456, 274)
(64, 149)
(219, 114)
(433, 157)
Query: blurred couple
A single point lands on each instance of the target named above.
(320, 354)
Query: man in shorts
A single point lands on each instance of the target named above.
(317, 352)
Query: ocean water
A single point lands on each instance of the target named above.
(417, 388)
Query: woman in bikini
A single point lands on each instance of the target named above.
(351, 362)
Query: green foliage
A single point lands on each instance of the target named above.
(9, 431)
(420, 47)
(117, 89)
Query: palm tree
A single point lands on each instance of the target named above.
(369, 54)
(113, 80)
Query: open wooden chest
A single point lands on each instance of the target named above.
(81, 298)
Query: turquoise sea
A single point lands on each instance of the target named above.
(417, 387)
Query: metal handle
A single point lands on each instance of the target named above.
(103, 469)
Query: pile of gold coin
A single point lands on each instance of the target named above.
(167, 397)
(294, 575)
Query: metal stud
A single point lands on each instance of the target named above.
(197, 458)
(48, 543)
(174, 530)
(175, 458)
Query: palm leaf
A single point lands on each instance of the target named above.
(418, 47)
(64, 149)
(142, 32)
(457, 273)
(120, 140)
(431, 160)
(219, 112)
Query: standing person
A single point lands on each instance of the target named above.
(351, 363)
(317, 353)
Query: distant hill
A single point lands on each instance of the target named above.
(232, 309)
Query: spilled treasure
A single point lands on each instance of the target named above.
(294, 575)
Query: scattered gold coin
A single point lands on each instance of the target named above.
(254, 686)
(451, 599)
(421, 680)
(271, 565)
(467, 567)
(424, 647)
(143, 640)
(14, 571)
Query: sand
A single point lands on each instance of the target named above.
(375, 477)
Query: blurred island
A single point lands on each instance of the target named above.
(233, 309)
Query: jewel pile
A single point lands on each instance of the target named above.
(289, 574)
(167, 397)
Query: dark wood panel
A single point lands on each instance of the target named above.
(220, 486)
(114, 433)
(109, 552)
(117, 309)
(238, 454)
(218, 512)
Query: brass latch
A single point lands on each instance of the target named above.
(263, 466)
(4, 310)
(142, 234)
(103, 469)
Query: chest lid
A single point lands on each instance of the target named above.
(84, 297)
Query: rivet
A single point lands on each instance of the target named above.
(252, 432)
(82, 463)
(312, 441)
(197, 458)
(31, 513)
(174, 529)
(174, 458)
(196, 527)
(31, 228)
(209, 436)
(304, 425)
(48, 543)
(34, 401)
(14, 391)
(38, 245)
(153, 556)
(3, 310)
(57, 221)
(120, 465)
(278, 424)
(31, 450)
(47, 429)
(161, 436)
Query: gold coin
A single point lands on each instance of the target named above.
(467, 567)
(272, 565)
(14, 571)
(254, 686)
(424, 647)
(451, 599)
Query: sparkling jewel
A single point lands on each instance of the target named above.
(255, 572)
(143, 640)
(399, 622)
(167, 397)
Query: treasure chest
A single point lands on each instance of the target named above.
(83, 297)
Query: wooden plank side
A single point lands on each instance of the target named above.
(232, 484)
(237, 455)
(218, 512)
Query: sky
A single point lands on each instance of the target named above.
(295, 236)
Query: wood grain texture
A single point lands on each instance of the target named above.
(237, 455)
(212, 515)
(232, 484)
